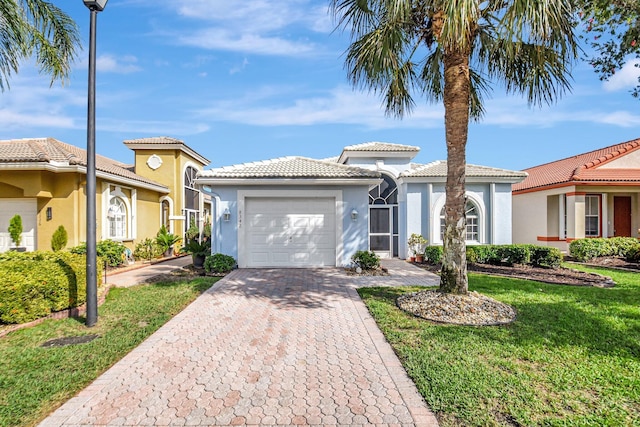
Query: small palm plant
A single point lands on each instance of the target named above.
(167, 240)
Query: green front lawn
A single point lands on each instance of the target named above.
(35, 380)
(572, 357)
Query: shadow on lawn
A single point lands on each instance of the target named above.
(604, 321)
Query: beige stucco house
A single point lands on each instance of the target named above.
(594, 194)
(44, 181)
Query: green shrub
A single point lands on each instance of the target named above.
(59, 239)
(366, 260)
(110, 251)
(34, 284)
(147, 249)
(623, 246)
(219, 263)
(433, 254)
(539, 256)
(545, 256)
(15, 229)
(590, 248)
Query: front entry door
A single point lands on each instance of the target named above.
(380, 230)
(622, 216)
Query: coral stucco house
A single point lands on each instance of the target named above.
(44, 181)
(302, 212)
(594, 194)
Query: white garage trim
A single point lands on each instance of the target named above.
(28, 211)
(243, 249)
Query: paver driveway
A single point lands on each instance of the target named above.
(262, 347)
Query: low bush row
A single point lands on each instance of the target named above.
(35, 284)
(108, 250)
(537, 256)
(588, 249)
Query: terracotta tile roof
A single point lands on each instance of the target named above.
(439, 169)
(290, 167)
(381, 146)
(583, 168)
(59, 154)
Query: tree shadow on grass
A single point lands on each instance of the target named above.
(602, 321)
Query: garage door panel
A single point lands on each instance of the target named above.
(294, 232)
(27, 209)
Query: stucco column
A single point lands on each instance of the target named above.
(575, 216)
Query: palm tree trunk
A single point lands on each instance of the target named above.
(453, 277)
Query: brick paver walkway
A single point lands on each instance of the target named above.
(261, 347)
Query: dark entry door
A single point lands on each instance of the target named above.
(622, 216)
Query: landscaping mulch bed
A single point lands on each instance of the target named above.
(475, 309)
(557, 276)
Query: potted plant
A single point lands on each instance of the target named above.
(417, 244)
(167, 241)
(15, 231)
(198, 251)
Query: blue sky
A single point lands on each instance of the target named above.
(241, 81)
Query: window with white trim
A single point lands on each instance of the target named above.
(592, 215)
(165, 209)
(117, 217)
(473, 223)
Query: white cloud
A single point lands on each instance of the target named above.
(221, 39)
(265, 107)
(31, 103)
(626, 78)
(260, 27)
(338, 106)
(152, 127)
(238, 68)
(121, 65)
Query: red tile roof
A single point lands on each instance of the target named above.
(583, 168)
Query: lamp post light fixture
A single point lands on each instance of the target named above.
(94, 6)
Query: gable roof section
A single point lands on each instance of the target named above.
(292, 167)
(438, 169)
(164, 143)
(57, 155)
(582, 168)
(373, 149)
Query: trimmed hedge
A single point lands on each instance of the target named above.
(537, 256)
(34, 284)
(111, 251)
(590, 248)
(219, 263)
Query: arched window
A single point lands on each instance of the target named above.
(191, 193)
(117, 217)
(471, 212)
(385, 193)
(383, 217)
(191, 198)
(164, 213)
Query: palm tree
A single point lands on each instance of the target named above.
(450, 51)
(40, 29)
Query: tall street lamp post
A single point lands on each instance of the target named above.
(94, 6)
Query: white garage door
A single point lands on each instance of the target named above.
(290, 232)
(27, 209)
